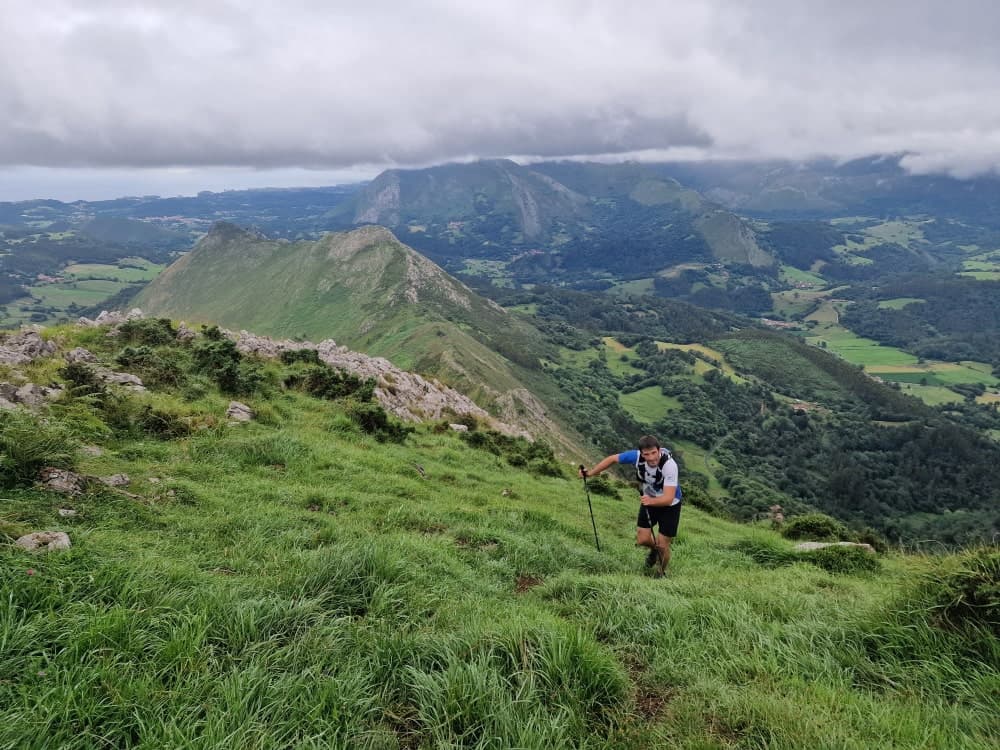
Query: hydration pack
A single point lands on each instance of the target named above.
(642, 471)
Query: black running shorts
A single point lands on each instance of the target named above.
(667, 517)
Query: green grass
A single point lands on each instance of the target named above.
(898, 303)
(648, 404)
(638, 286)
(293, 583)
(934, 395)
(793, 275)
(131, 269)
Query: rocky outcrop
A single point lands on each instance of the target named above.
(29, 395)
(62, 481)
(239, 412)
(404, 394)
(44, 541)
(23, 347)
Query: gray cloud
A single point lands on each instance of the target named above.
(335, 85)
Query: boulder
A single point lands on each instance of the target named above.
(459, 427)
(116, 480)
(44, 541)
(239, 412)
(79, 355)
(62, 481)
(24, 347)
(184, 333)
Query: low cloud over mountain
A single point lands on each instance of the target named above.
(336, 85)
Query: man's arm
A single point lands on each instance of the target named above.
(600, 466)
(667, 498)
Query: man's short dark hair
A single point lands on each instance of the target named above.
(648, 441)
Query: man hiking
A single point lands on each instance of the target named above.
(660, 504)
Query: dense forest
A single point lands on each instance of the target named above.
(860, 450)
(937, 327)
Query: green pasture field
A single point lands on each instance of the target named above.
(899, 232)
(83, 293)
(615, 350)
(858, 350)
(898, 303)
(981, 275)
(648, 404)
(793, 303)
(132, 269)
(700, 460)
(828, 312)
(932, 395)
(938, 373)
(793, 275)
(636, 286)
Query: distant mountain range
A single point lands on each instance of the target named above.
(581, 216)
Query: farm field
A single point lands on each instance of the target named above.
(131, 269)
(649, 404)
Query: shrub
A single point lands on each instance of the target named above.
(147, 331)
(156, 368)
(309, 356)
(28, 444)
(817, 527)
(843, 560)
(323, 381)
(220, 360)
(601, 485)
(373, 420)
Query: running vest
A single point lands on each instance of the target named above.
(653, 475)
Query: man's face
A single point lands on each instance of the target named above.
(650, 455)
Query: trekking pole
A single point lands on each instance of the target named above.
(583, 473)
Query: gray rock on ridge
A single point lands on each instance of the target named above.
(403, 394)
(23, 347)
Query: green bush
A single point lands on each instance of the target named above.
(843, 559)
(601, 485)
(28, 444)
(309, 356)
(323, 381)
(817, 527)
(155, 367)
(219, 359)
(147, 331)
(373, 420)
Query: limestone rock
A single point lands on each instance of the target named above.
(62, 480)
(116, 480)
(24, 347)
(79, 355)
(44, 541)
(184, 333)
(459, 427)
(239, 412)
(66, 512)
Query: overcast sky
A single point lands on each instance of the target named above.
(101, 98)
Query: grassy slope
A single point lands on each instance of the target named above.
(353, 288)
(297, 584)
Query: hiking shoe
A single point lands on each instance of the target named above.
(651, 558)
